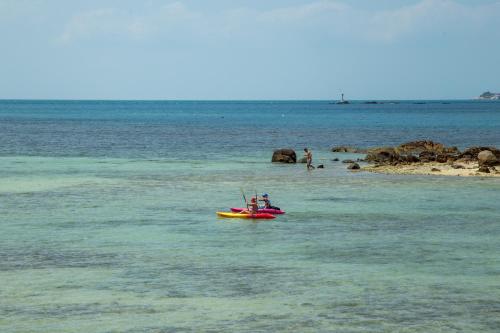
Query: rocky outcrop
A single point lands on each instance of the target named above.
(431, 158)
(347, 149)
(413, 152)
(302, 160)
(347, 161)
(284, 156)
(487, 158)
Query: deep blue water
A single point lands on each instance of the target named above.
(196, 130)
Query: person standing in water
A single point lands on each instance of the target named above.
(309, 157)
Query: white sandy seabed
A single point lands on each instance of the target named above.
(467, 169)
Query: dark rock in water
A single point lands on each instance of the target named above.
(353, 166)
(335, 159)
(360, 160)
(302, 160)
(347, 161)
(435, 170)
(284, 156)
(341, 149)
(484, 169)
(487, 158)
(321, 166)
(347, 149)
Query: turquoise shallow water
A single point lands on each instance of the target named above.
(101, 235)
(121, 245)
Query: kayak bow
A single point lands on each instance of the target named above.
(246, 215)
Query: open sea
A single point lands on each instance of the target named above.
(107, 219)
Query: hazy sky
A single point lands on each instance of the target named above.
(242, 49)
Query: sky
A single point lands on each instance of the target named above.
(247, 50)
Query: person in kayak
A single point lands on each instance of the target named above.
(309, 158)
(267, 202)
(252, 207)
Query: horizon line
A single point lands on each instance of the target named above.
(235, 100)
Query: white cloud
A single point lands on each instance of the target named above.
(118, 22)
(337, 20)
(97, 21)
(423, 16)
(305, 12)
(334, 19)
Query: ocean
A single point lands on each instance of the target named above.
(108, 224)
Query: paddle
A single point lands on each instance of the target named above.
(244, 199)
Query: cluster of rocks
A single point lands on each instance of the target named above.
(428, 151)
(287, 155)
(353, 165)
(423, 151)
(349, 149)
(413, 152)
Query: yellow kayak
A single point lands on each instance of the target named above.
(246, 215)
